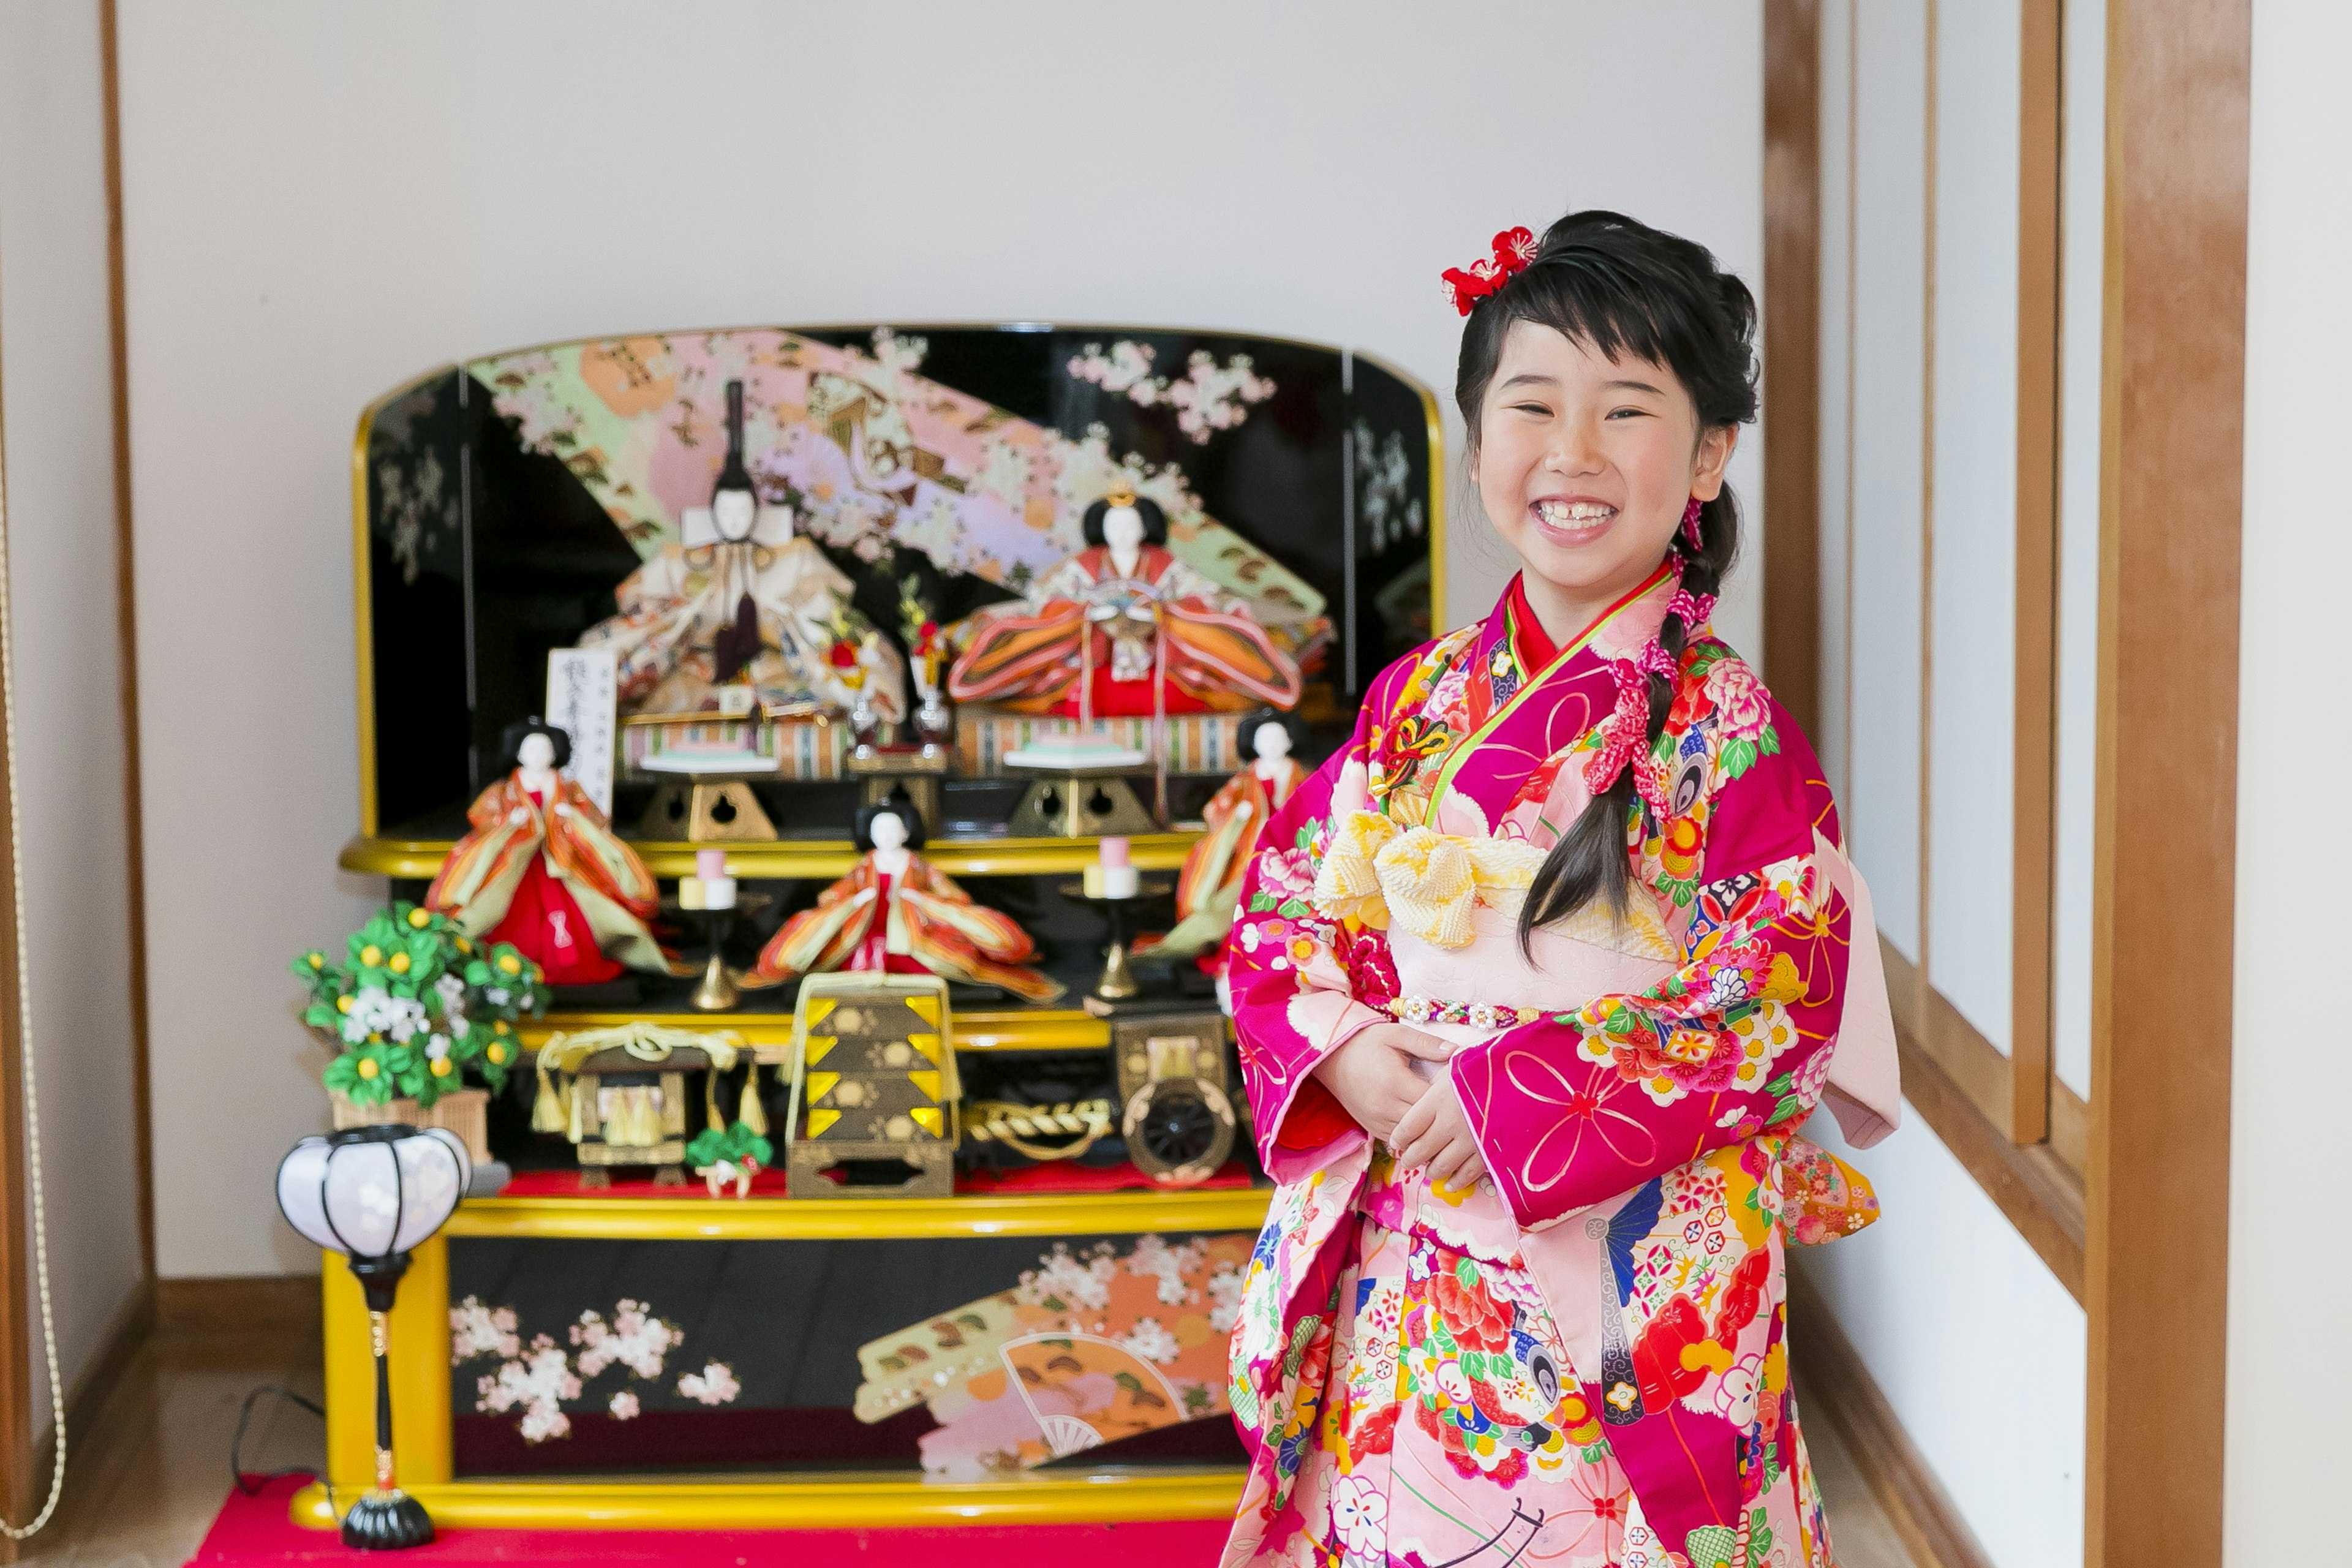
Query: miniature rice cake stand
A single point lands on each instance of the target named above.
(874, 1085)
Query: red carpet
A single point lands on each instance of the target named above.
(256, 1530)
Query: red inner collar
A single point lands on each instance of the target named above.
(1529, 641)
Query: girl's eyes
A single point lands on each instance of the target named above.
(1629, 414)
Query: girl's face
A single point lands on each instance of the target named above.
(1586, 463)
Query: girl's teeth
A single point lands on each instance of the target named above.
(1564, 514)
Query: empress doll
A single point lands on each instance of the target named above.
(896, 913)
(539, 867)
(1122, 628)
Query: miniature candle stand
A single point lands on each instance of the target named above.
(710, 900)
(1113, 883)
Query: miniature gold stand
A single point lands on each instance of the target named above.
(710, 810)
(1080, 805)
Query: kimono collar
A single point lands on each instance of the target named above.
(1618, 632)
(1530, 644)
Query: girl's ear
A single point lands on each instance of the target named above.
(1714, 456)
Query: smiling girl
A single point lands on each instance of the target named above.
(1565, 949)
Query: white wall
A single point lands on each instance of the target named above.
(56, 391)
(1975, 1343)
(2291, 1073)
(322, 200)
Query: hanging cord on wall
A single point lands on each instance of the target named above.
(24, 1047)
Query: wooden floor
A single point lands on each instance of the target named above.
(146, 1480)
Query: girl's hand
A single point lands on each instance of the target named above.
(1372, 1074)
(1436, 1136)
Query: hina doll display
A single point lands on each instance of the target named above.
(1122, 628)
(740, 599)
(1209, 888)
(540, 867)
(896, 914)
(1535, 982)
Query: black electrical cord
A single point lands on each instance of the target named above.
(244, 1417)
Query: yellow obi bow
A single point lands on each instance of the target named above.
(1419, 878)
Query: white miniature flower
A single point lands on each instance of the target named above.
(623, 1406)
(437, 1047)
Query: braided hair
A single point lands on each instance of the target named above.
(1627, 292)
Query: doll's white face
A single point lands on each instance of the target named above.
(1123, 529)
(731, 512)
(1272, 743)
(889, 833)
(537, 753)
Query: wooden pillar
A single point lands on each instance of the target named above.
(1792, 351)
(2165, 882)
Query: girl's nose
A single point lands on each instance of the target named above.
(1574, 449)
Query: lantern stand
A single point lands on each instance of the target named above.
(373, 1193)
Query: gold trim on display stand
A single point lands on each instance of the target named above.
(1107, 1495)
(769, 1035)
(850, 1219)
(813, 857)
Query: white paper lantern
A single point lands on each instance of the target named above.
(372, 1191)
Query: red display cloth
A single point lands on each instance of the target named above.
(256, 1529)
(1051, 1178)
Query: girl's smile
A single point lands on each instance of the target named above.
(1572, 520)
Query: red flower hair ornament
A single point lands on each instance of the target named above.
(1514, 248)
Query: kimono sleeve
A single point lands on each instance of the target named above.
(1575, 1108)
(1304, 985)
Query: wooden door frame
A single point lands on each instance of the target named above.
(2154, 1199)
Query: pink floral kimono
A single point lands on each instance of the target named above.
(1581, 1359)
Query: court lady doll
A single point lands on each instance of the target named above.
(1209, 888)
(897, 914)
(540, 867)
(1534, 982)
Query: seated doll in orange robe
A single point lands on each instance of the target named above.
(541, 868)
(1122, 628)
(926, 923)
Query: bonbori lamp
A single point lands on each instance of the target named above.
(373, 1193)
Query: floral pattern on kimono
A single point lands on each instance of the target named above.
(1638, 1142)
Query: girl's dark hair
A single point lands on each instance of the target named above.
(901, 806)
(511, 738)
(1257, 718)
(1155, 521)
(1628, 291)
